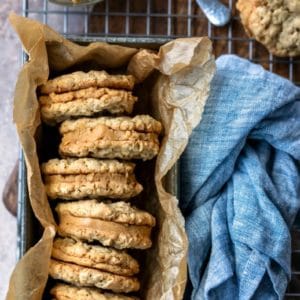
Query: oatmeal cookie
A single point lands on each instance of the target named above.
(85, 102)
(89, 178)
(94, 256)
(88, 277)
(274, 23)
(72, 166)
(119, 212)
(81, 80)
(89, 226)
(67, 292)
(106, 137)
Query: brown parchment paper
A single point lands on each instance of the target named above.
(179, 94)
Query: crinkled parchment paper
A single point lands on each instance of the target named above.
(186, 68)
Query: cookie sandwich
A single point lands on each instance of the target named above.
(85, 94)
(89, 178)
(94, 256)
(108, 137)
(88, 277)
(116, 224)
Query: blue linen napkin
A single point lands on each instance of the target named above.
(240, 184)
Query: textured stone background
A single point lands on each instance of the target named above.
(9, 67)
(10, 64)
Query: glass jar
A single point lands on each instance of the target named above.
(75, 2)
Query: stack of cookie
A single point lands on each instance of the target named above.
(93, 180)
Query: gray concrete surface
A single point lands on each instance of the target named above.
(10, 64)
(9, 67)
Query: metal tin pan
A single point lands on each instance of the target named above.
(29, 230)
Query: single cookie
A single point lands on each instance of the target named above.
(85, 102)
(119, 212)
(67, 292)
(94, 185)
(89, 178)
(139, 123)
(106, 137)
(71, 166)
(87, 226)
(94, 256)
(274, 23)
(88, 277)
(81, 80)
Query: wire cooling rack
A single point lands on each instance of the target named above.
(166, 20)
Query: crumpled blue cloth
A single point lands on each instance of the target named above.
(240, 184)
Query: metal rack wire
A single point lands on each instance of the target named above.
(159, 19)
(166, 20)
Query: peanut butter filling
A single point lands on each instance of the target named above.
(84, 135)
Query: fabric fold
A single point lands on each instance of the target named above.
(240, 184)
